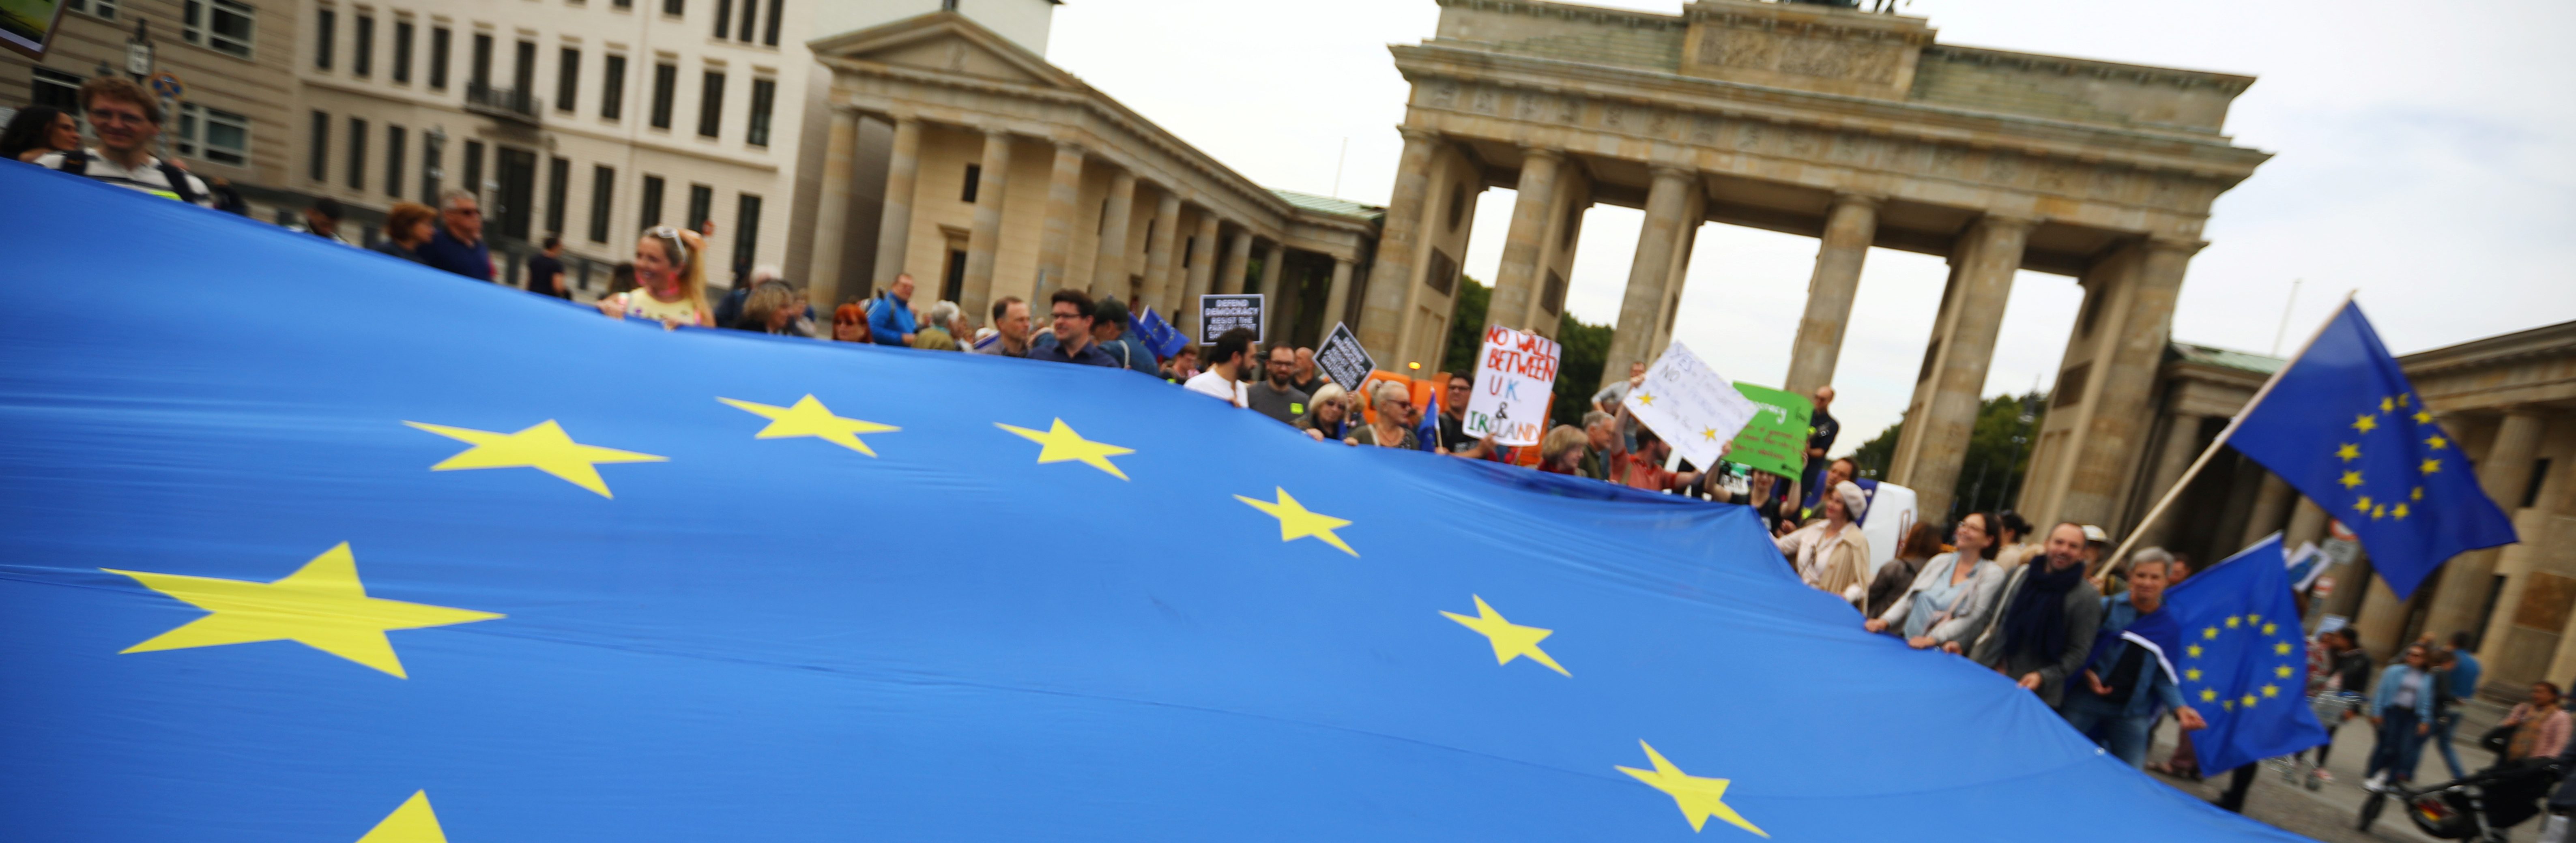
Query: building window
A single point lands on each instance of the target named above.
(948, 5)
(702, 205)
(666, 77)
(724, 20)
(214, 135)
(433, 145)
(612, 87)
(558, 187)
(439, 39)
(711, 105)
(362, 45)
(769, 37)
(749, 9)
(55, 88)
(523, 80)
(624, 4)
(746, 232)
(674, 8)
(764, 94)
(225, 26)
(2070, 386)
(974, 178)
(395, 139)
(357, 169)
(318, 167)
(567, 79)
(478, 75)
(403, 30)
(473, 169)
(326, 23)
(650, 212)
(102, 8)
(603, 187)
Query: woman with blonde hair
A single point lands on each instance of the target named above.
(1561, 450)
(670, 280)
(772, 308)
(1328, 413)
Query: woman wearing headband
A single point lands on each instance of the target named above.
(670, 280)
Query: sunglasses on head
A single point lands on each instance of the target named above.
(665, 232)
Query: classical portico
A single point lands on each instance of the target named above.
(1005, 176)
(1852, 127)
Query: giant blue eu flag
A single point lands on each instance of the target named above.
(300, 542)
(2232, 636)
(2344, 427)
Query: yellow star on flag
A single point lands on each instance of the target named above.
(1699, 798)
(2192, 651)
(2430, 466)
(2281, 648)
(2208, 694)
(2251, 617)
(414, 822)
(808, 417)
(1510, 640)
(2362, 505)
(1297, 522)
(2231, 621)
(2365, 422)
(2211, 632)
(2271, 628)
(2350, 479)
(2398, 510)
(2436, 442)
(2282, 671)
(1064, 445)
(2191, 675)
(543, 446)
(2403, 397)
(2378, 512)
(2348, 452)
(2249, 700)
(2271, 690)
(322, 605)
(2422, 417)
(2417, 495)
(2387, 405)
(2230, 705)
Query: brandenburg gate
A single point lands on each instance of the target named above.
(1852, 127)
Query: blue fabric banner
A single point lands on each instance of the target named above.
(299, 542)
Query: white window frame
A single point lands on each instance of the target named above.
(193, 119)
(49, 77)
(101, 9)
(198, 27)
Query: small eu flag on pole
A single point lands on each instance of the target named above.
(2232, 637)
(1160, 337)
(2342, 425)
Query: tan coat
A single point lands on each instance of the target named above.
(1834, 565)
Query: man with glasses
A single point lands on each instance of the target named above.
(457, 243)
(1275, 396)
(1072, 311)
(1454, 440)
(126, 121)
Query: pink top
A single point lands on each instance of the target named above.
(2549, 735)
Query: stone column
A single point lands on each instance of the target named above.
(984, 239)
(2352, 583)
(1337, 299)
(1382, 315)
(2270, 506)
(2182, 443)
(1667, 202)
(832, 209)
(1238, 260)
(1109, 264)
(1271, 305)
(1517, 279)
(894, 224)
(2503, 472)
(1985, 286)
(1203, 258)
(2126, 369)
(1162, 250)
(2381, 622)
(1055, 233)
(1849, 229)
(1677, 276)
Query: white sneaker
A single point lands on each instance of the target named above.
(2375, 783)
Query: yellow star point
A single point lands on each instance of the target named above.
(2398, 510)
(2192, 651)
(2191, 675)
(414, 822)
(2281, 648)
(1510, 640)
(2230, 705)
(2418, 494)
(1709, 434)
(2249, 700)
(322, 605)
(2282, 671)
(1648, 400)
(2211, 632)
(2387, 405)
(2350, 479)
(1699, 798)
(2365, 422)
(2208, 694)
(2270, 628)
(2271, 690)
(2232, 621)
(2251, 617)
(2430, 466)
(2378, 512)
(1297, 522)
(808, 417)
(2348, 452)
(2362, 505)
(2436, 442)
(2404, 397)
(543, 446)
(1064, 445)
(2422, 417)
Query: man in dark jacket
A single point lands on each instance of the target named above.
(2043, 627)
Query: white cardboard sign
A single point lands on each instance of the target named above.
(1689, 405)
(1513, 375)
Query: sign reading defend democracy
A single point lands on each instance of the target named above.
(1343, 360)
(1691, 406)
(1775, 440)
(1221, 313)
(1514, 372)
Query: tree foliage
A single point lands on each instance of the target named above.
(1999, 450)
(1578, 372)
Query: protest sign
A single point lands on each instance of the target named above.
(1514, 372)
(1775, 439)
(1688, 404)
(1221, 313)
(1343, 360)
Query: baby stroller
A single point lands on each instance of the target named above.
(2479, 807)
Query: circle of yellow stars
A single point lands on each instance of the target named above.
(2199, 686)
(2363, 424)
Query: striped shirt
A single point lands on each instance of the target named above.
(147, 178)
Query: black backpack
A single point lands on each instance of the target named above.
(76, 162)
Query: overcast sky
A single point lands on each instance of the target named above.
(2422, 158)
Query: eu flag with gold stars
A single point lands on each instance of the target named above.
(300, 542)
(2233, 638)
(2344, 427)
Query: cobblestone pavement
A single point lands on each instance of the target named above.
(2331, 812)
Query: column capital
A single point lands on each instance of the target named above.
(1868, 200)
(1063, 146)
(2014, 222)
(1418, 133)
(2186, 245)
(1668, 171)
(1548, 152)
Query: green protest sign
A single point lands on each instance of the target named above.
(1776, 439)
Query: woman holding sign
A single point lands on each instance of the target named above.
(1831, 554)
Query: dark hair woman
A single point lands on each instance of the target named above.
(39, 129)
(1921, 544)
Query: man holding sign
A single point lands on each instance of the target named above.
(1514, 373)
(1689, 406)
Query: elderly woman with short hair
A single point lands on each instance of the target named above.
(1831, 554)
(1561, 451)
(1328, 413)
(1394, 407)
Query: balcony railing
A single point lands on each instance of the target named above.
(505, 103)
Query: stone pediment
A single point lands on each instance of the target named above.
(944, 42)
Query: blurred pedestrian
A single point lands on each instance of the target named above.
(938, 331)
(1454, 438)
(322, 219)
(1896, 576)
(1643, 468)
(2043, 627)
(126, 121)
(1305, 377)
(2125, 687)
(1951, 598)
(670, 280)
(1561, 451)
(890, 317)
(2014, 544)
(39, 129)
(2401, 709)
(1841, 470)
(1071, 311)
(1114, 329)
(2464, 670)
(1390, 429)
(1010, 336)
(546, 269)
(1183, 365)
(1611, 396)
(2535, 728)
(772, 308)
(1831, 553)
(850, 323)
(1821, 431)
(1274, 396)
(1328, 414)
(1223, 379)
(456, 245)
(407, 226)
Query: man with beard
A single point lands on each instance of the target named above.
(1277, 396)
(2043, 628)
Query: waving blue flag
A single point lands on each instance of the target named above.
(302, 543)
(1159, 336)
(2232, 633)
(2344, 427)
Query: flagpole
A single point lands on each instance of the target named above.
(2104, 577)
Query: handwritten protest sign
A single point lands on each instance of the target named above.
(1689, 405)
(1513, 375)
(1343, 360)
(1221, 313)
(1775, 439)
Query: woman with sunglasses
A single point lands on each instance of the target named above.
(670, 280)
(850, 324)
